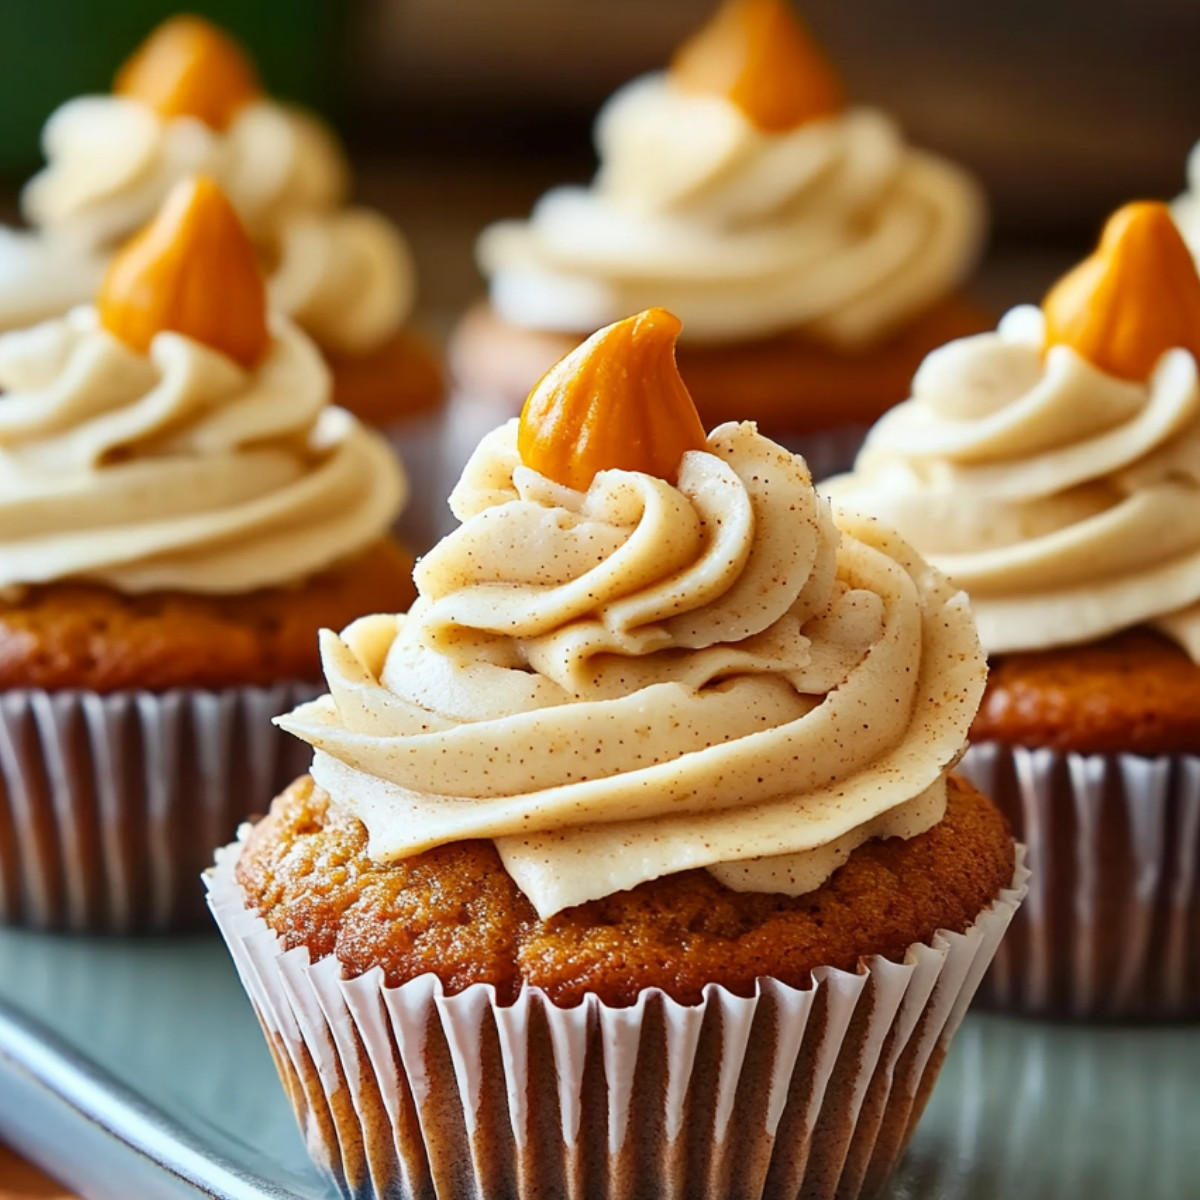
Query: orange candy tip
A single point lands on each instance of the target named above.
(188, 67)
(759, 55)
(191, 271)
(1136, 297)
(615, 402)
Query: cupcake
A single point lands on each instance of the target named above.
(813, 255)
(181, 510)
(630, 860)
(189, 102)
(1050, 469)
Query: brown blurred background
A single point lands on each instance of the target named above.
(458, 111)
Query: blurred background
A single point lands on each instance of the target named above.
(457, 111)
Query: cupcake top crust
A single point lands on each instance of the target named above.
(737, 189)
(189, 102)
(176, 434)
(644, 651)
(1050, 467)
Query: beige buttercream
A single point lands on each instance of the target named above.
(836, 228)
(345, 274)
(644, 678)
(178, 469)
(1065, 501)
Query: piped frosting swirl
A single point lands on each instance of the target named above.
(831, 225)
(1050, 468)
(640, 678)
(345, 273)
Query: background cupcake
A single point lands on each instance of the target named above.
(180, 511)
(189, 101)
(812, 255)
(1050, 469)
(632, 852)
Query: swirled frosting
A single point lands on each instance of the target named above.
(642, 678)
(345, 274)
(179, 469)
(1064, 500)
(835, 228)
(1186, 207)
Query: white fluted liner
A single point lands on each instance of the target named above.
(409, 1093)
(1111, 927)
(110, 805)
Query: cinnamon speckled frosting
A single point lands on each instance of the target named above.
(836, 228)
(178, 469)
(1065, 500)
(643, 678)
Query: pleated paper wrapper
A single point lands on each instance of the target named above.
(1111, 927)
(111, 805)
(406, 1092)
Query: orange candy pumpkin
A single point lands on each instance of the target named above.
(189, 68)
(759, 55)
(1132, 300)
(617, 401)
(192, 270)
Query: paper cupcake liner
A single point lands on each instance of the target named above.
(418, 441)
(409, 1093)
(111, 805)
(828, 452)
(1111, 927)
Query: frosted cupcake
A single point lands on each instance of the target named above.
(631, 852)
(813, 256)
(189, 102)
(1050, 469)
(181, 510)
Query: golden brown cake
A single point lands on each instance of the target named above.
(1136, 690)
(77, 635)
(398, 380)
(455, 912)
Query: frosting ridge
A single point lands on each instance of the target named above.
(641, 678)
(179, 469)
(835, 227)
(1063, 499)
(345, 274)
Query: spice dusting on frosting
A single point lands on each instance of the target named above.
(757, 54)
(1134, 299)
(617, 401)
(191, 271)
(189, 68)
(641, 676)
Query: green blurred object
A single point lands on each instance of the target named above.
(51, 50)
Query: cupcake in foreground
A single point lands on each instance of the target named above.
(187, 102)
(630, 852)
(1051, 469)
(181, 510)
(812, 255)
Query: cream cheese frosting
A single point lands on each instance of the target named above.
(836, 228)
(644, 678)
(1064, 500)
(345, 273)
(1186, 207)
(179, 469)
